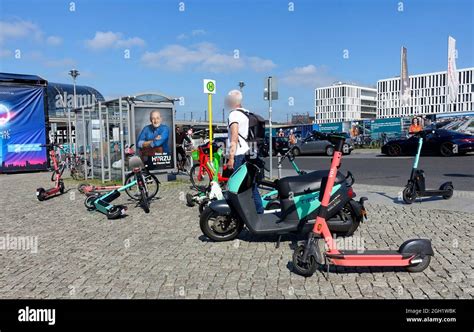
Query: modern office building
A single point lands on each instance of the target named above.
(344, 102)
(428, 95)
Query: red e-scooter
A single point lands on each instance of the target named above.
(58, 188)
(414, 255)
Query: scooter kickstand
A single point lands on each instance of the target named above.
(327, 267)
(278, 242)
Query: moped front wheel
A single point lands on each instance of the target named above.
(219, 227)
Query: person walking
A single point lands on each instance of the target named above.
(238, 147)
(292, 138)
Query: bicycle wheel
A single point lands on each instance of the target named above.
(188, 163)
(151, 182)
(200, 177)
(144, 200)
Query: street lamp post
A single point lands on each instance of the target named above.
(73, 73)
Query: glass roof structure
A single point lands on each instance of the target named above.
(61, 98)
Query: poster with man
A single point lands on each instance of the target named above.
(154, 129)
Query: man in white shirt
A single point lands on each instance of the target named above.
(238, 147)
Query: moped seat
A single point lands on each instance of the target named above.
(306, 183)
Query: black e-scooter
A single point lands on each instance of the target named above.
(416, 183)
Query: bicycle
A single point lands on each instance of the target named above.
(185, 163)
(202, 173)
(102, 203)
(76, 165)
(150, 181)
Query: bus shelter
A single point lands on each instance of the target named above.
(107, 130)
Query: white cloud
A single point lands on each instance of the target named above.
(103, 40)
(20, 29)
(203, 56)
(54, 40)
(198, 32)
(10, 30)
(309, 76)
(260, 65)
(193, 33)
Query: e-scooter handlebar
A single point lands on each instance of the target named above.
(335, 139)
(289, 154)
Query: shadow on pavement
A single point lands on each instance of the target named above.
(457, 175)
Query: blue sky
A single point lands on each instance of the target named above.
(172, 50)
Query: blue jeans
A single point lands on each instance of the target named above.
(238, 161)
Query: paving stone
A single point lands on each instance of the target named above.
(163, 254)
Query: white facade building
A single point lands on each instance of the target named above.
(428, 95)
(344, 102)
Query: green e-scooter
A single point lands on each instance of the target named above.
(103, 203)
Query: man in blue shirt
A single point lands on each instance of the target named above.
(154, 137)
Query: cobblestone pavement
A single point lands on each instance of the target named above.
(81, 254)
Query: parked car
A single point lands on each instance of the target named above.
(280, 145)
(437, 142)
(314, 145)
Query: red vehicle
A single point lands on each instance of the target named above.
(58, 188)
(201, 173)
(414, 255)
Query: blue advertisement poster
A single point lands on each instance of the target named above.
(335, 127)
(22, 129)
(387, 126)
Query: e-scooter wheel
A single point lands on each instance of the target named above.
(115, 212)
(409, 194)
(449, 190)
(190, 200)
(81, 187)
(218, 227)
(202, 206)
(89, 202)
(61, 187)
(425, 262)
(304, 269)
(41, 194)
